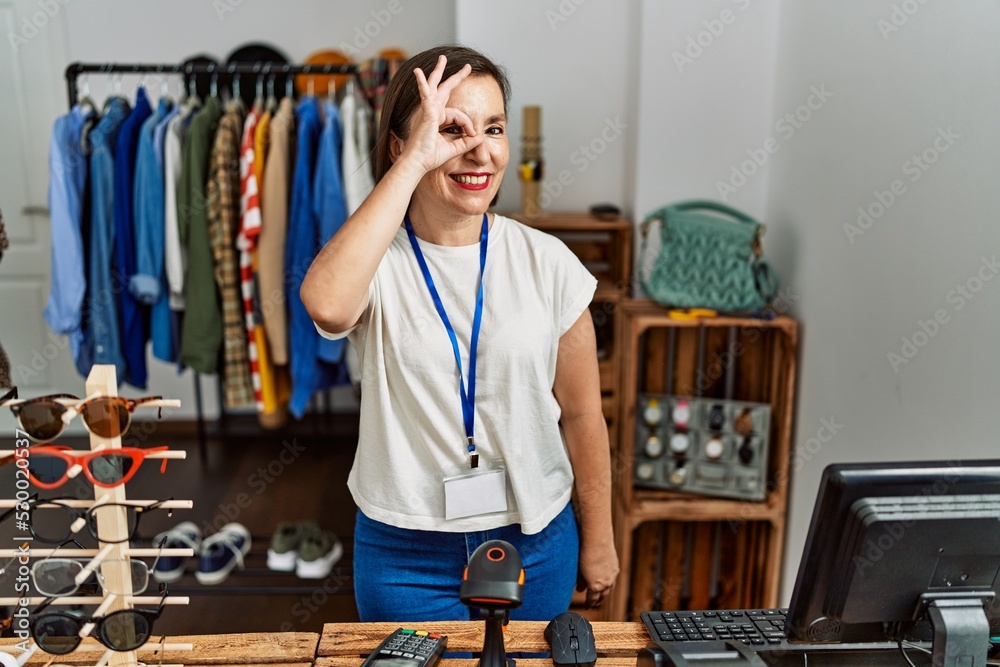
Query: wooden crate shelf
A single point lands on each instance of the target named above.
(721, 357)
(663, 577)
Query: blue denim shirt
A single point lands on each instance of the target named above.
(132, 327)
(102, 324)
(67, 182)
(309, 373)
(147, 283)
(329, 205)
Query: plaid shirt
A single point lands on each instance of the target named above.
(223, 223)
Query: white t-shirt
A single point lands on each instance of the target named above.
(411, 427)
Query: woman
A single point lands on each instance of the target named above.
(475, 343)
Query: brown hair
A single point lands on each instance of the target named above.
(402, 97)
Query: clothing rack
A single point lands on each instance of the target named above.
(187, 70)
(265, 69)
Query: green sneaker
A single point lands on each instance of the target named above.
(318, 553)
(285, 544)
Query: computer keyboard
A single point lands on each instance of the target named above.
(756, 628)
(762, 630)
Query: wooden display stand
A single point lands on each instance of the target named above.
(686, 551)
(102, 381)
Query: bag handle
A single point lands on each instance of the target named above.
(710, 205)
(765, 280)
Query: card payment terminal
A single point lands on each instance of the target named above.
(407, 647)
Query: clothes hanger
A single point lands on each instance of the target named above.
(191, 101)
(235, 99)
(164, 86)
(272, 100)
(91, 115)
(289, 85)
(331, 90)
(83, 91)
(113, 88)
(213, 90)
(258, 101)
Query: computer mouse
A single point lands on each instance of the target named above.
(571, 639)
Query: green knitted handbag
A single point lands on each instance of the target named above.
(707, 260)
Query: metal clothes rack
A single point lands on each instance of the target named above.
(261, 69)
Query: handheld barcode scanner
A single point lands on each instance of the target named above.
(493, 582)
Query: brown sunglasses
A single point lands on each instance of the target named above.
(45, 418)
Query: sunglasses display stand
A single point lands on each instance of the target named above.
(113, 526)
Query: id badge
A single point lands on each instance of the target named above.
(469, 492)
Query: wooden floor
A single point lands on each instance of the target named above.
(258, 479)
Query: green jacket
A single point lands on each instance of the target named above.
(201, 335)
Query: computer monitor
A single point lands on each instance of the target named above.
(903, 551)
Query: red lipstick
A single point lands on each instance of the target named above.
(471, 180)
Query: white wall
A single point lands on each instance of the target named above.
(705, 98)
(577, 60)
(858, 295)
(151, 31)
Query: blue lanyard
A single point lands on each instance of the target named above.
(468, 399)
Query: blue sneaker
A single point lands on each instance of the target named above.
(222, 552)
(185, 535)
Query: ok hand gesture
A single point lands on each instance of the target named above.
(426, 146)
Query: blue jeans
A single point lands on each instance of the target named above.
(414, 575)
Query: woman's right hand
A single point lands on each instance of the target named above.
(426, 146)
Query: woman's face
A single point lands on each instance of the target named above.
(468, 183)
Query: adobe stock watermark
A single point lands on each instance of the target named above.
(722, 361)
(901, 14)
(891, 533)
(828, 430)
(258, 481)
(31, 25)
(915, 167)
(307, 605)
(223, 7)
(562, 13)
(22, 521)
(698, 43)
(786, 127)
(581, 158)
(364, 34)
(958, 297)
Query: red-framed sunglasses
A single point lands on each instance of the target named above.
(49, 466)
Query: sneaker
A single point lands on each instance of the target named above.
(185, 535)
(319, 551)
(284, 550)
(222, 552)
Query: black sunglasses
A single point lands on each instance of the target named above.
(58, 632)
(51, 521)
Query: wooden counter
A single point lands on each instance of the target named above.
(343, 644)
(346, 644)
(291, 649)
